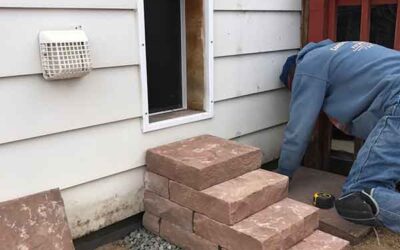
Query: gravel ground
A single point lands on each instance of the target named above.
(140, 240)
(144, 240)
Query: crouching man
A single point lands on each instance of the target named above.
(357, 84)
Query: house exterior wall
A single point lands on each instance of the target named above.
(84, 135)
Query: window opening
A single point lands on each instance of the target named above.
(164, 50)
(383, 24)
(348, 23)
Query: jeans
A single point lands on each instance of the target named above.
(377, 167)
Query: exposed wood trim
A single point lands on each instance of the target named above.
(332, 19)
(365, 20)
(305, 22)
(319, 150)
(317, 20)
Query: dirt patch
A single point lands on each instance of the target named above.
(388, 241)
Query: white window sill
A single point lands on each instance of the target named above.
(181, 117)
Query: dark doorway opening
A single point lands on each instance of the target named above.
(163, 26)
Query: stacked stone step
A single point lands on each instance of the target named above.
(210, 193)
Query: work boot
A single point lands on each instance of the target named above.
(359, 208)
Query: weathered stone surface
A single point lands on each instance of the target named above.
(156, 183)
(151, 223)
(232, 201)
(35, 222)
(321, 240)
(203, 161)
(306, 181)
(168, 210)
(183, 238)
(280, 225)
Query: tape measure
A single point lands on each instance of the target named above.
(323, 200)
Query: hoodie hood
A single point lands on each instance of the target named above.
(312, 46)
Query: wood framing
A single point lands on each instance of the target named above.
(195, 54)
(365, 20)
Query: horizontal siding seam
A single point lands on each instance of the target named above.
(120, 120)
(256, 10)
(93, 70)
(68, 8)
(252, 94)
(257, 52)
(260, 130)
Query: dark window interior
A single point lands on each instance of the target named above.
(348, 29)
(348, 23)
(163, 51)
(383, 24)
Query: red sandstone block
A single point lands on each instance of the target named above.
(36, 221)
(151, 223)
(168, 210)
(280, 226)
(156, 183)
(232, 201)
(203, 161)
(321, 240)
(183, 238)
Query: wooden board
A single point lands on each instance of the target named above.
(113, 37)
(79, 156)
(195, 51)
(267, 5)
(308, 181)
(239, 33)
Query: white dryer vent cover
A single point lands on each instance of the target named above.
(64, 54)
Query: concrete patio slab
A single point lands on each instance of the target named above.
(306, 182)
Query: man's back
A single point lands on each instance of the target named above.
(355, 83)
(360, 78)
(352, 82)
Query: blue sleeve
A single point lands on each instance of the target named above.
(308, 95)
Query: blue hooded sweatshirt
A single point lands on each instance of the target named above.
(352, 82)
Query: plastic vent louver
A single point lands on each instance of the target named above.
(64, 54)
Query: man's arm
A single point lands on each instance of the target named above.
(308, 95)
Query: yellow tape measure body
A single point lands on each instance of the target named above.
(323, 200)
